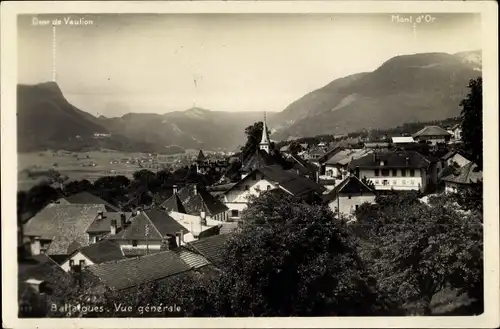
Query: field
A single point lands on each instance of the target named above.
(90, 165)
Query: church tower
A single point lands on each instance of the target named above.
(264, 142)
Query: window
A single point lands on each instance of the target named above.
(412, 172)
(349, 197)
(134, 243)
(82, 262)
(234, 213)
(376, 172)
(247, 187)
(268, 187)
(394, 172)
(412, 182)
(376, 182)
(385, 182)
(357, 206)
(403, 172)
(385, 172)
(404, 182)
(71, 263)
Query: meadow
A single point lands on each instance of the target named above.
(90, 165)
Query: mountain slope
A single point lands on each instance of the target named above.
(193, 128)
(408, 88)
(46, 120)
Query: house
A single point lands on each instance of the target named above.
(259, 159)
(347, 196)
(402, 140)
(267, 178)
(150, 231)
(87, 198)
(456, 132)
(463, 178)
(303, 167)
(454, 157)
(157, 267)
(435, 168)
(106, 222)
(337, 164)
(432, 135)
(393, 170)
(315, 153)
(100, 252)
(58, 227)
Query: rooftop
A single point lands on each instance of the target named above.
(391, 159)
(130, 272)
(63, 224)
(103, 251)
(468, 174)
(431, 131)
(212, 248)
(104, 225)
(89, 198)
(196, 199)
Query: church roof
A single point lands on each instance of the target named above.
(201, 156)
(265, 133)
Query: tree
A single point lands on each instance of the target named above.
(254, 135)
(294, 147)
(472, 122)
(292, 259)
(416, 250)
(76, 186)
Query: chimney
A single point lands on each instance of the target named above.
(174, 189)
(99, 215)
(35, 246)
(195, 189)
(113, 227)
(203, 217)
(123, 220)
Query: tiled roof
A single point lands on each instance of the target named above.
(134, 252)
(468, 174)
(103, 251)
(89, 198)
(160, 224)
(196, 199)
(192, 259)
(104, 224)
(41, 268)
(334, 149)
(211, 248)
(63, 224)
(291, 182)
(397, 159)
(431, 131)
(131, 272)
(339, 156)
(356, 154)
(304, 166)
(350, 185)
(173, 204)
(258, 159)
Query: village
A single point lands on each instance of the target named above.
(184, 229)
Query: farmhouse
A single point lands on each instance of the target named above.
(432, 135)
(347, 196)
(399, 170)
(60, 228)
(453, 157)
(195, 200)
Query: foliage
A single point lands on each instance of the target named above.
(292, 259)
(254, 135)
(294, 147)
(415, 250)
(368, 182)
(74, 187)
(472, 122)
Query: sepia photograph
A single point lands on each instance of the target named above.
(250, 164)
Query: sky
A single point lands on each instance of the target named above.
(158, 63)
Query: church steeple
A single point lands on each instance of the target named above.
(264, 142)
